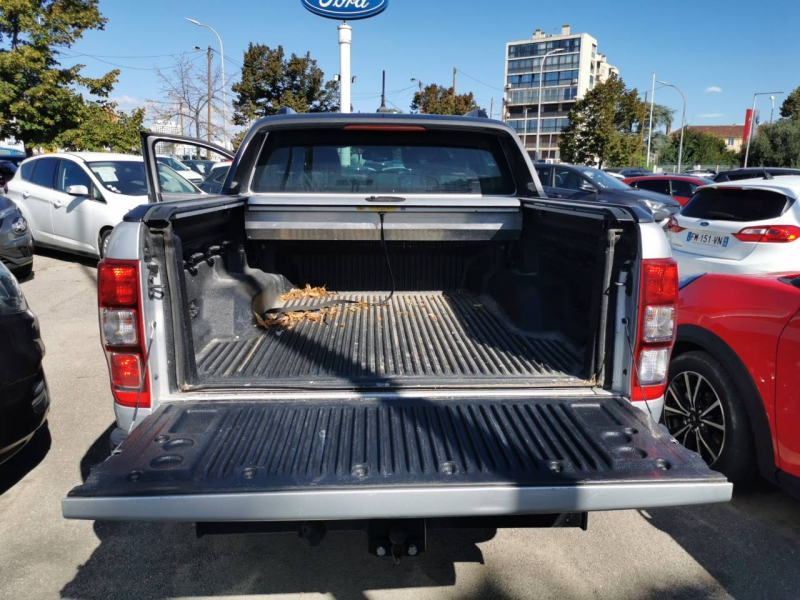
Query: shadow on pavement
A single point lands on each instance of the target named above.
(748, 545)
(79, 259)
(26, 460)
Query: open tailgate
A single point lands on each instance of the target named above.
(358, 459)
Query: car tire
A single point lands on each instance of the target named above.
(704, 411)
(103, 242)
(23, 272)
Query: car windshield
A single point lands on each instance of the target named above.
(127, 178)
(603, 180)
(172, 163)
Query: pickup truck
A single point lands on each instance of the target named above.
(382, 323)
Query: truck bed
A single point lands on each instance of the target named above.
(417, 338)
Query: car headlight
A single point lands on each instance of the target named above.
(19, 225)
(11, 298)
(653, 204)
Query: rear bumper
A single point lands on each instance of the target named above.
(693, 264)
(427, 502)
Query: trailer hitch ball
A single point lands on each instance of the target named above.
(380, 551)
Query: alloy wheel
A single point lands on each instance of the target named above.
(695, 416)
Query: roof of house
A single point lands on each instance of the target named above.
(721, 131)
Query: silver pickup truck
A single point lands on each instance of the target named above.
(383, 323)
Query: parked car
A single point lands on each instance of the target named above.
(733, 377)
(7, 170)
(704, 173)
(628, 171)
(594, 185)
(24, 399)
(472, 360)
(72, 201)
(16, 243)
(749, 226)
(753, 172)
(200, 166)
(215, 178)
(181, 169)
(680, 187)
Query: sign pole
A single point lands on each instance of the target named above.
(345, 41)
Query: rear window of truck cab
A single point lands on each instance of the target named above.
(383, 162)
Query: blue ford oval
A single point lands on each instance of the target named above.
(346, 10)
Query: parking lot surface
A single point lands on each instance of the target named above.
(749, 548)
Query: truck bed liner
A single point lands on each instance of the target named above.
(418, 338)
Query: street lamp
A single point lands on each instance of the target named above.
(539, 108)
(683, 121)
(752, 122)
(224, 81)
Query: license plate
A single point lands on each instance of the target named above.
(708, 239)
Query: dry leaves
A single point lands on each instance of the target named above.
(306, 292)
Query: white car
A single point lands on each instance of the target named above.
(750, 226)
(180, 168)
(72, 201)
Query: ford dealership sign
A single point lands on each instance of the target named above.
(346, 10)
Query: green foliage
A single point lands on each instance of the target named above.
(776, 144)
(698, 149)
(39, 100)
(663, 116)
(439, 100)
(271, 81)
(100, 128)
(602, 126)
(790, 109)
(237, 139)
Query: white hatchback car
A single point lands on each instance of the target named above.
(749, 226)
(72, 201)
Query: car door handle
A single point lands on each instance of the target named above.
(25, 194)
(58, 203)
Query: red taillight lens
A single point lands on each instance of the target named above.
(775, 234)
(673, 226)
(657, 328)
(117, 283)
(660, 282)
(121, 325)
(126, 371)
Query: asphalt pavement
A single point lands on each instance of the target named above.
(749, 548)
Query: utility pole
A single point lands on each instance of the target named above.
(641, 128)
(209, 54)
(491, 109)
(650, 127)
(180, 114)
(455, 73)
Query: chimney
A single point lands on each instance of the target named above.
(565, 29)
(538, 34)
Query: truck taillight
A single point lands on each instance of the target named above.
(119, 298)
(657, 328)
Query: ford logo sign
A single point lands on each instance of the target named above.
(704, 224)
(346, 10)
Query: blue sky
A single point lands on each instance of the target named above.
(715, 53)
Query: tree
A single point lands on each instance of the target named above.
(186, 86)
(271, 81)
(101, 128)
(602, 126)
(38, 98)
(698, 149)
(663, 116)
(439, 100)
(776, 144)
(790, 109)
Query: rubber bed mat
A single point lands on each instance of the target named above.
(421, 337)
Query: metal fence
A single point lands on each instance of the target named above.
(684, 168)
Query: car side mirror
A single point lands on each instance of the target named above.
(78, 190)
(660, 214)
(587, 187)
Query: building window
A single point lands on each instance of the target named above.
(730, 142)
(540, 48)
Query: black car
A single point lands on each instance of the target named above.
(586, 183)
(16, 242)
(200, 166)
(628, 171)
(24, 400)
(215, 179)
(752, 173)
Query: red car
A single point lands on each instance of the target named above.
(680, 187)
(734, 378)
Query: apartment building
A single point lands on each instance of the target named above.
(572, 66)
